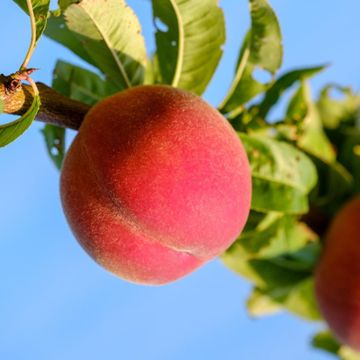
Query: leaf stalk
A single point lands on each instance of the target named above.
(33, 36)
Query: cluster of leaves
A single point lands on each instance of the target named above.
(304, 166)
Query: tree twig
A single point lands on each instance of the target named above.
(55, 108)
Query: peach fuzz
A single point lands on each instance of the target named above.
(155, 184)
(337, 278)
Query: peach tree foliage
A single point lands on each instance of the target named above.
(304, 166)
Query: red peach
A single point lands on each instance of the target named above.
(337, 278)
(155, 184)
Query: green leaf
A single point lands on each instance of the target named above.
(279, 168)
(9, 132)
(152, 71)
(335, 182)
(307, 257)
(303, 111)
(349, 155)
(266, 43)
(110, 33)
(324, 340)
(327, 342)
(259, 304)
(284, 82)
(244, 87)
(189, 41)
(274, 259)
(292, 262)
(284, 280)
(55, 143)
(261, 48)
(279, 262)
(264, 273)
(41, 11)
(297, 108)
(58, 31)
(80, 84)
(298, 299)
(274, 234)
(335, 112)
(167, 39)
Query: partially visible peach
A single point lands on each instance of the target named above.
(337, 280)
(155, 184)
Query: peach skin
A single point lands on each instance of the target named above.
(155, 184)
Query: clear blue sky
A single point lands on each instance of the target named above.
(57, 304)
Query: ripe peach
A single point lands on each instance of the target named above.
(337, 278)
(155, 184)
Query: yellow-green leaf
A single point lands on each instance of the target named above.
(110, 33)
(189, 37)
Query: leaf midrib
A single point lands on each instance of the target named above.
(108, 44)
(181, 41)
